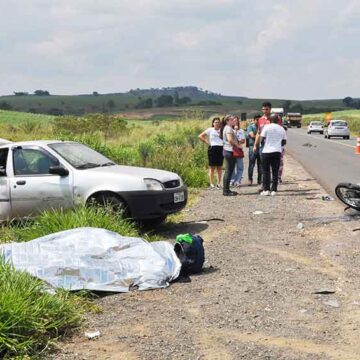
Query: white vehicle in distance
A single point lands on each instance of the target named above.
(315, 126)
(40, 175)
(337, 128)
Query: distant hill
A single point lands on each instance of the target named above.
(172, 100)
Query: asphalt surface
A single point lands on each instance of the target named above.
(328, 161)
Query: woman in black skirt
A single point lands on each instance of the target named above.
(211, 136)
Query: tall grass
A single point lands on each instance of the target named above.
(53, 221)
(29, 317)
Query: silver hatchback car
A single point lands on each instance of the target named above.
(337, 128)
(40, 175)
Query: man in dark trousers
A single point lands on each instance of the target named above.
(254, 156)
(273, 136)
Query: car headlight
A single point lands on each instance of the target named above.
(153, 185)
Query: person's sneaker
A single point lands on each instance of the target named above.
(218, 186)
(273, 193)
(265, 193)
(250, 183)
(237, 184)
(260, 189)
(229, 193)
(212, 187)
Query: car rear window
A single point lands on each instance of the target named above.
(339, 123)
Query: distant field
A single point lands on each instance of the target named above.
(351, 116)
(15, 117)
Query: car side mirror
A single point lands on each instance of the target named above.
(58, 170)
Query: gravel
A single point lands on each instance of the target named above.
(256, 298)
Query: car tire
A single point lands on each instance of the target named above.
(112, 201)
(321, 132)
(309, 132)
(348, 137)
(325, 136)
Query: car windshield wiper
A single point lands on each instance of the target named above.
(88, 165)
(110, 163)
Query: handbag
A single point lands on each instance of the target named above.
(238, 153)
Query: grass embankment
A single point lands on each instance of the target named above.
(351, 116)
(30, 319)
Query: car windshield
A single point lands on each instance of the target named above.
(339, 123)
(80, 156)
(316, 123)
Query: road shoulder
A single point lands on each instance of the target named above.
(257, 297)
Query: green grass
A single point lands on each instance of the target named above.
(16, 118)
(31, 318)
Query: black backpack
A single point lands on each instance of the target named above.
(192, 256)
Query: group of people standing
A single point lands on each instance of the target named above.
(265, 138)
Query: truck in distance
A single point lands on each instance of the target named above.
(294, 119)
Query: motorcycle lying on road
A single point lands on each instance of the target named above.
(349, 194)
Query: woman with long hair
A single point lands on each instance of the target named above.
(230, 141)
(211, 136)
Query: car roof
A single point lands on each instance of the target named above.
(34, 142)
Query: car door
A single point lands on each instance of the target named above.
(4, 185)
(32, 188)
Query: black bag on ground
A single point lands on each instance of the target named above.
(192, 256)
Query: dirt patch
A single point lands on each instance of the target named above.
(256, 298)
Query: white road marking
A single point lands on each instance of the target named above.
(327, 140)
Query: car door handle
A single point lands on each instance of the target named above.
(21, 182)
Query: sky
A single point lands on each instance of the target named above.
(294, 49)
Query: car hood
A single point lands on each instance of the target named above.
(138, 172)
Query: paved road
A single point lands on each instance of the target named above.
(329, 161)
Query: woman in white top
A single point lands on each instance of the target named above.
(239, 167)
(211, 136)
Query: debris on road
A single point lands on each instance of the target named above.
(92, 335)
(300, 226)
(309, 145)
(327, 198)
(332, 303)
(258, 212)
(324, 291)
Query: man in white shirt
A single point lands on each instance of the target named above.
(274, 137)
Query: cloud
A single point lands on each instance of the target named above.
(267, 48)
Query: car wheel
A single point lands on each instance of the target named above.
(328, 136)
(112, 201)
(325, 136)
(309, 132)
(348, 137)
(321, 132)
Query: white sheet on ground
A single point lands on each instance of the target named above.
(95, 259)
